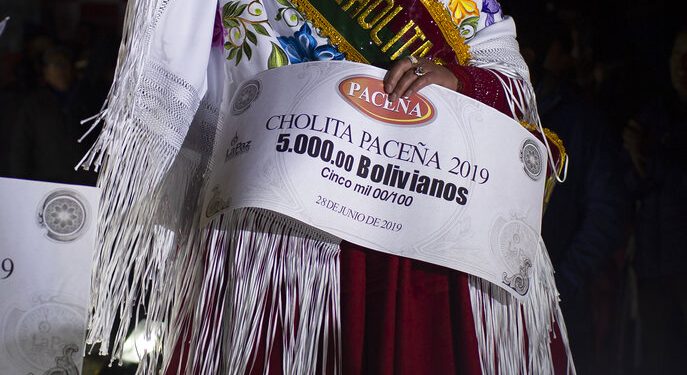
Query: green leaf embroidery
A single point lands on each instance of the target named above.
(247, 51)
(277, 57)
(240, 10)
(260, 29)
(467, 24)
(470, 21)
(232, 53)
(239, 55)
(251, 37)
(230, 23)
(285, 3)
(228, 9)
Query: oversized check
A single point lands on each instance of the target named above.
(47, 240)
(436, 176)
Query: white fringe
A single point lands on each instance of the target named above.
(263, 273)
(128, 256)
(122, 148)
(145, 119)
(163, 286)
(510, 332)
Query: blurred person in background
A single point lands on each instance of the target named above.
(585, 220)
(46, 127)
(8, 101)
(20, 73)
(656, 141)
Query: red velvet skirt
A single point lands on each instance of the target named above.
(401, 316)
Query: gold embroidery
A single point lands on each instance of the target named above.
(363, 8)
(423, 49)
(441, 62)
(418, 35)
(368, 25)
(386, 20)
(398, 36)
(552, 137)
(442, 17)
(329, 31)
(361, 4)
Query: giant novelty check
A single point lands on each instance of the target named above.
(436, 176)
(47, 241)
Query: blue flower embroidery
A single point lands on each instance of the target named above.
(491, 7)
(302, 47)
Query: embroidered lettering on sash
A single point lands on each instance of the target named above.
(381, 17)
(383, 30)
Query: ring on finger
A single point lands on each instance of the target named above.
(420, 71)
(413, 59)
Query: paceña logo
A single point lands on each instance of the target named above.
(367, 95)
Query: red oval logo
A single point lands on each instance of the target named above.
(367, 95)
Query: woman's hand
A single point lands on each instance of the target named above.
(406, 78)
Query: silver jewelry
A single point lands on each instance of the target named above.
(413, 59)
(420, 71)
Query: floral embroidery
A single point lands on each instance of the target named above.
(491, 8)
(302, 47)
(288, 14)
(243, 24)
(468, 28)
(463, 9)
(277, 57)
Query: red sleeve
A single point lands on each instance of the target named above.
(482, 85)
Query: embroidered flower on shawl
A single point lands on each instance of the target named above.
(491, 8)
(302, 47)
(288, 13)
(462, 9)
(244, 26)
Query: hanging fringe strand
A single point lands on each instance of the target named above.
(145, 120)
(514, 337)
(266, 274)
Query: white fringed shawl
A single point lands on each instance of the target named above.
(215, 289)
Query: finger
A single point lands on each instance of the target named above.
(395, 73)
(403, 83)
(420, 83)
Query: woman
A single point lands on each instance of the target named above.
(206, 284)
